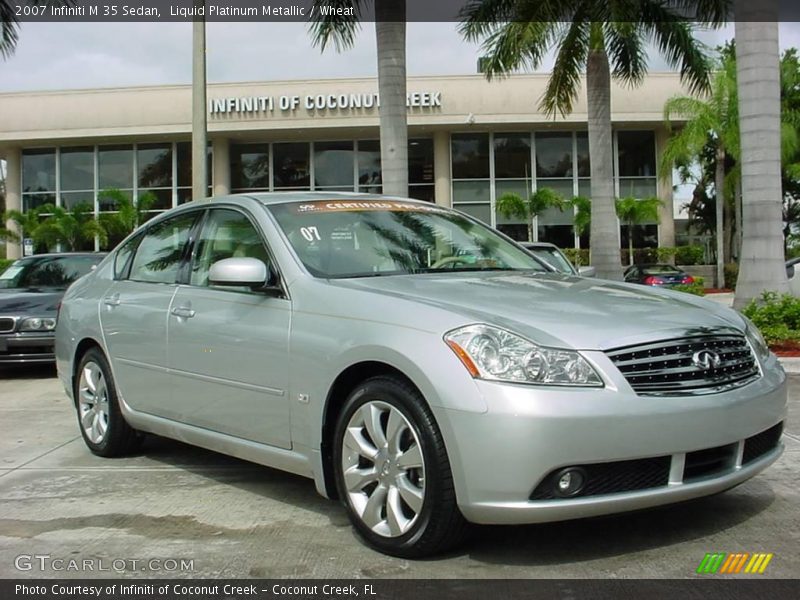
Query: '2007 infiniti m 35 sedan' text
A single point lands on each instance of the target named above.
(418, 365)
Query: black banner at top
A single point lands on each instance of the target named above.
(363, 10)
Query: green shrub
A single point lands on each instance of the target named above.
(577, 256)
(697, 287)
(5, 263)
(778, 317)
(731, 275)
(689, 255)
(666, 254)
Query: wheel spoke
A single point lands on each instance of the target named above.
(411, 458)
(94, 434)
(372, 515)
(394, 429)
(89, 377)
(372, 421)
(411, 494)
(395, 518)
(357, 479)
(87, 396)
(355, 440)
(86, 419)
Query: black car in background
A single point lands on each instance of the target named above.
(659, 275)
(30, 291)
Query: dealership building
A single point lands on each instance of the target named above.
(470, 141)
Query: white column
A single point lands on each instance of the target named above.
(221, 166)
(13, 158)
(441, 168)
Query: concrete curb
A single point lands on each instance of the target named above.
(790, 364)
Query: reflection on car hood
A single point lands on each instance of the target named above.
(555, 309)
(29, 302)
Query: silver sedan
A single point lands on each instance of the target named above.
(417, 365)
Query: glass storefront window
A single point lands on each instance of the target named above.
(512, 155)
(554, 155)
(637, 153)
(154, 162)
(470, 155)
(369, 166)
(184, 150)
(39, 170)
(77, 168)
(292, 167)
(420, 160)
(30, 201)
(582, 156)
(333, 165)
(115, 166)
(162, 198)
(249, 167)
(426, 192)
(70, 199)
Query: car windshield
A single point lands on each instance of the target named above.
(46, 271)
(555, 258)
(370, 238)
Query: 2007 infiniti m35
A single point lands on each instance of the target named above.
(418, 365)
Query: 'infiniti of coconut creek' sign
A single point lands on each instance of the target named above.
(315, 102)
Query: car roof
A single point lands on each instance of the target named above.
(538, 245)
(268, 198)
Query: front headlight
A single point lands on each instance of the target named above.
(38, 324)
(756, 339)
(496, 354)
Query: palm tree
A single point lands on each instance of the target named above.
(582, 215)
(71, 229)
(9, 22)
(595, 36)
(634, 212)
(390, 33)
(761, 266)
(712, 119)
(512, 205)
(127, 215)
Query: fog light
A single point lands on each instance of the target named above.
(569, 482)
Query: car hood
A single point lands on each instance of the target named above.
(29, 302)
(559, 310)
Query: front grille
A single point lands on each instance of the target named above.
(612, 478)
(668, 368)
(761, 443)
(6, 324)
(709, 462)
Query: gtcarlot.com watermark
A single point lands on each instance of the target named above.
(47, 562)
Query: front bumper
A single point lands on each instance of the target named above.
(27, 348)
(500, 457)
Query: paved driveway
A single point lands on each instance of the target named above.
(236, 519)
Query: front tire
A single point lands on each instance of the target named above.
(104, 429)
(392, 471)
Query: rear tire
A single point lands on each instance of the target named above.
(104, 429)
(392, 471)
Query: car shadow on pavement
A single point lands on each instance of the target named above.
(47, 371)
(603, 537)
(253, 478)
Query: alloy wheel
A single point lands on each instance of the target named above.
(93, 402)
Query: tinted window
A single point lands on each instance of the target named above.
(225, 234)
(58, 271)
(470, 155)
(123, 257)
(158, 257)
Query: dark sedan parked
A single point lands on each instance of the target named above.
(30, 291)
(658, 275)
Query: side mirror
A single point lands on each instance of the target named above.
(242, 272)
(790, 271)
(587, 271)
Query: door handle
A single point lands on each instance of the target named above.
(183, 312)
(112, 300)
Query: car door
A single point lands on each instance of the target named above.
(228, 347)
(134, 311)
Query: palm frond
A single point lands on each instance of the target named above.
(562, 88)
(327, 28)
(626, 51)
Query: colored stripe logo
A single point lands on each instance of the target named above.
(734, 563)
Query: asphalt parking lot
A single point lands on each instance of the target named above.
(230, 518)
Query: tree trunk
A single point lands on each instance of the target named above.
(738, 210)
(390, 32)
(757, 69)
(605, 226)
(719, 208)
(199, 108)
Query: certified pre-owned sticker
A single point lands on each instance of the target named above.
(362, 205)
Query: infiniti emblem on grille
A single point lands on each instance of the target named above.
(706, 359)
